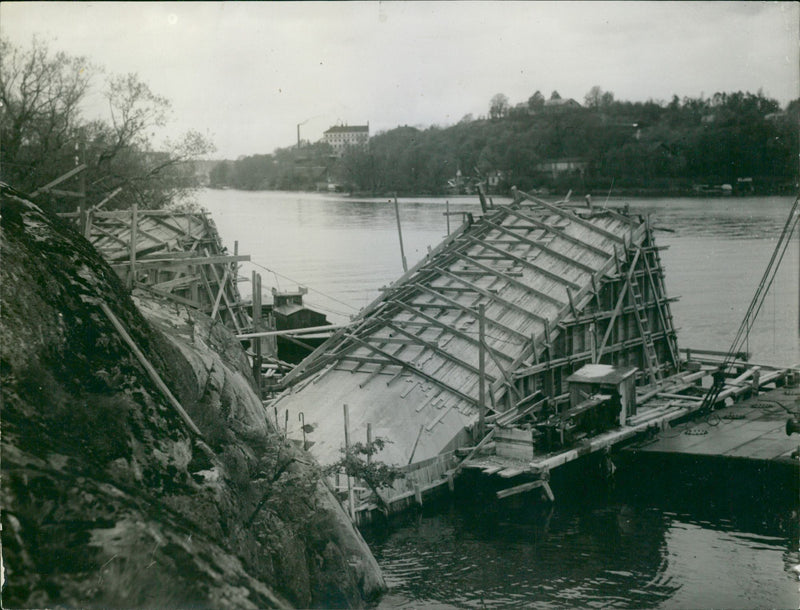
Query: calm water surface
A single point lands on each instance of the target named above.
(685, 549)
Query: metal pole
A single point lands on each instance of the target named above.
(447, 214)
(400, 234)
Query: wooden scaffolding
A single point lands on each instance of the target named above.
(500, 313)
(173, 254)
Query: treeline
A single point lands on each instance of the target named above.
(743, 139)
(45, 135)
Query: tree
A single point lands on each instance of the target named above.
(593, 97)
(498, 106)
(536, 101)
(44, 133)
(555, 95)
(39, 116)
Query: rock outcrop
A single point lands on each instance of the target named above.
(108, 498)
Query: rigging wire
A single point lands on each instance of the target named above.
(756, 303)
(327, 296)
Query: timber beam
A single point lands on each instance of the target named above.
(547, 249)
(572, 217)
(468, 310)
(560, 233)
(505, 254)
(445, 327)
(444, 354)
(494, 297)
(512, 281)
(416, 370)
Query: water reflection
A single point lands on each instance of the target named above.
(650, 541)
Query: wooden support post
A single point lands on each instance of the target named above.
(258, 357)
(416, 442)
(447, 214)
(400, 235)
(369, 443)
(151, 371)
(618, 307)
(350, 503)
(133, 239)
(215, 309)
(481, 370)
(482, 198)
(572, 304)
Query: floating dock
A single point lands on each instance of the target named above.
(753, 429)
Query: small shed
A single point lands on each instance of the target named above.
(291, 313)
(618, 382)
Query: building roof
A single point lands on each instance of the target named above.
(348, 129)
(562, 102)
(412, 356)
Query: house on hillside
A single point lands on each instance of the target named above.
(557, 167)
(342, 137)
(558, 105)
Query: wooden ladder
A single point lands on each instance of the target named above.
(664, 312)
(651, 360)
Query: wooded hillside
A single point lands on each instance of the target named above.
(743, 139)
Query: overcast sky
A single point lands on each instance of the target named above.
(248, 72)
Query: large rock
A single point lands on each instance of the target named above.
(108, 499)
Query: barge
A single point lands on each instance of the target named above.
(539, 332)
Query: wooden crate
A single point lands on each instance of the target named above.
(516, 443)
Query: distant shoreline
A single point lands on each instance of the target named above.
(598, 195)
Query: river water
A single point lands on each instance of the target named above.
(690, 548)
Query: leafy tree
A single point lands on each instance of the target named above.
(45, 134)
(353, 463)
(498, 106)
(536, 101)
(593, 98)
(555, 95)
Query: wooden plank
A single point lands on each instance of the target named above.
(221, 290)
(176, 263)
(446, 327)
(572, 217)
(151, 371)
(518, 489)
(435, 349)
(224, 295)
(545, 248)
(468, 310)
(620, 300)
(59, 180)
(562, 234)
(526, 263)
(178, 282)
(170, 296)
(414, 369)
(512, 281)
(109, 234)
(492, 296)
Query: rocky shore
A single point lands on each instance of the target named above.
(109, 498)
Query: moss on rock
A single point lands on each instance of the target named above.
(108, 500)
